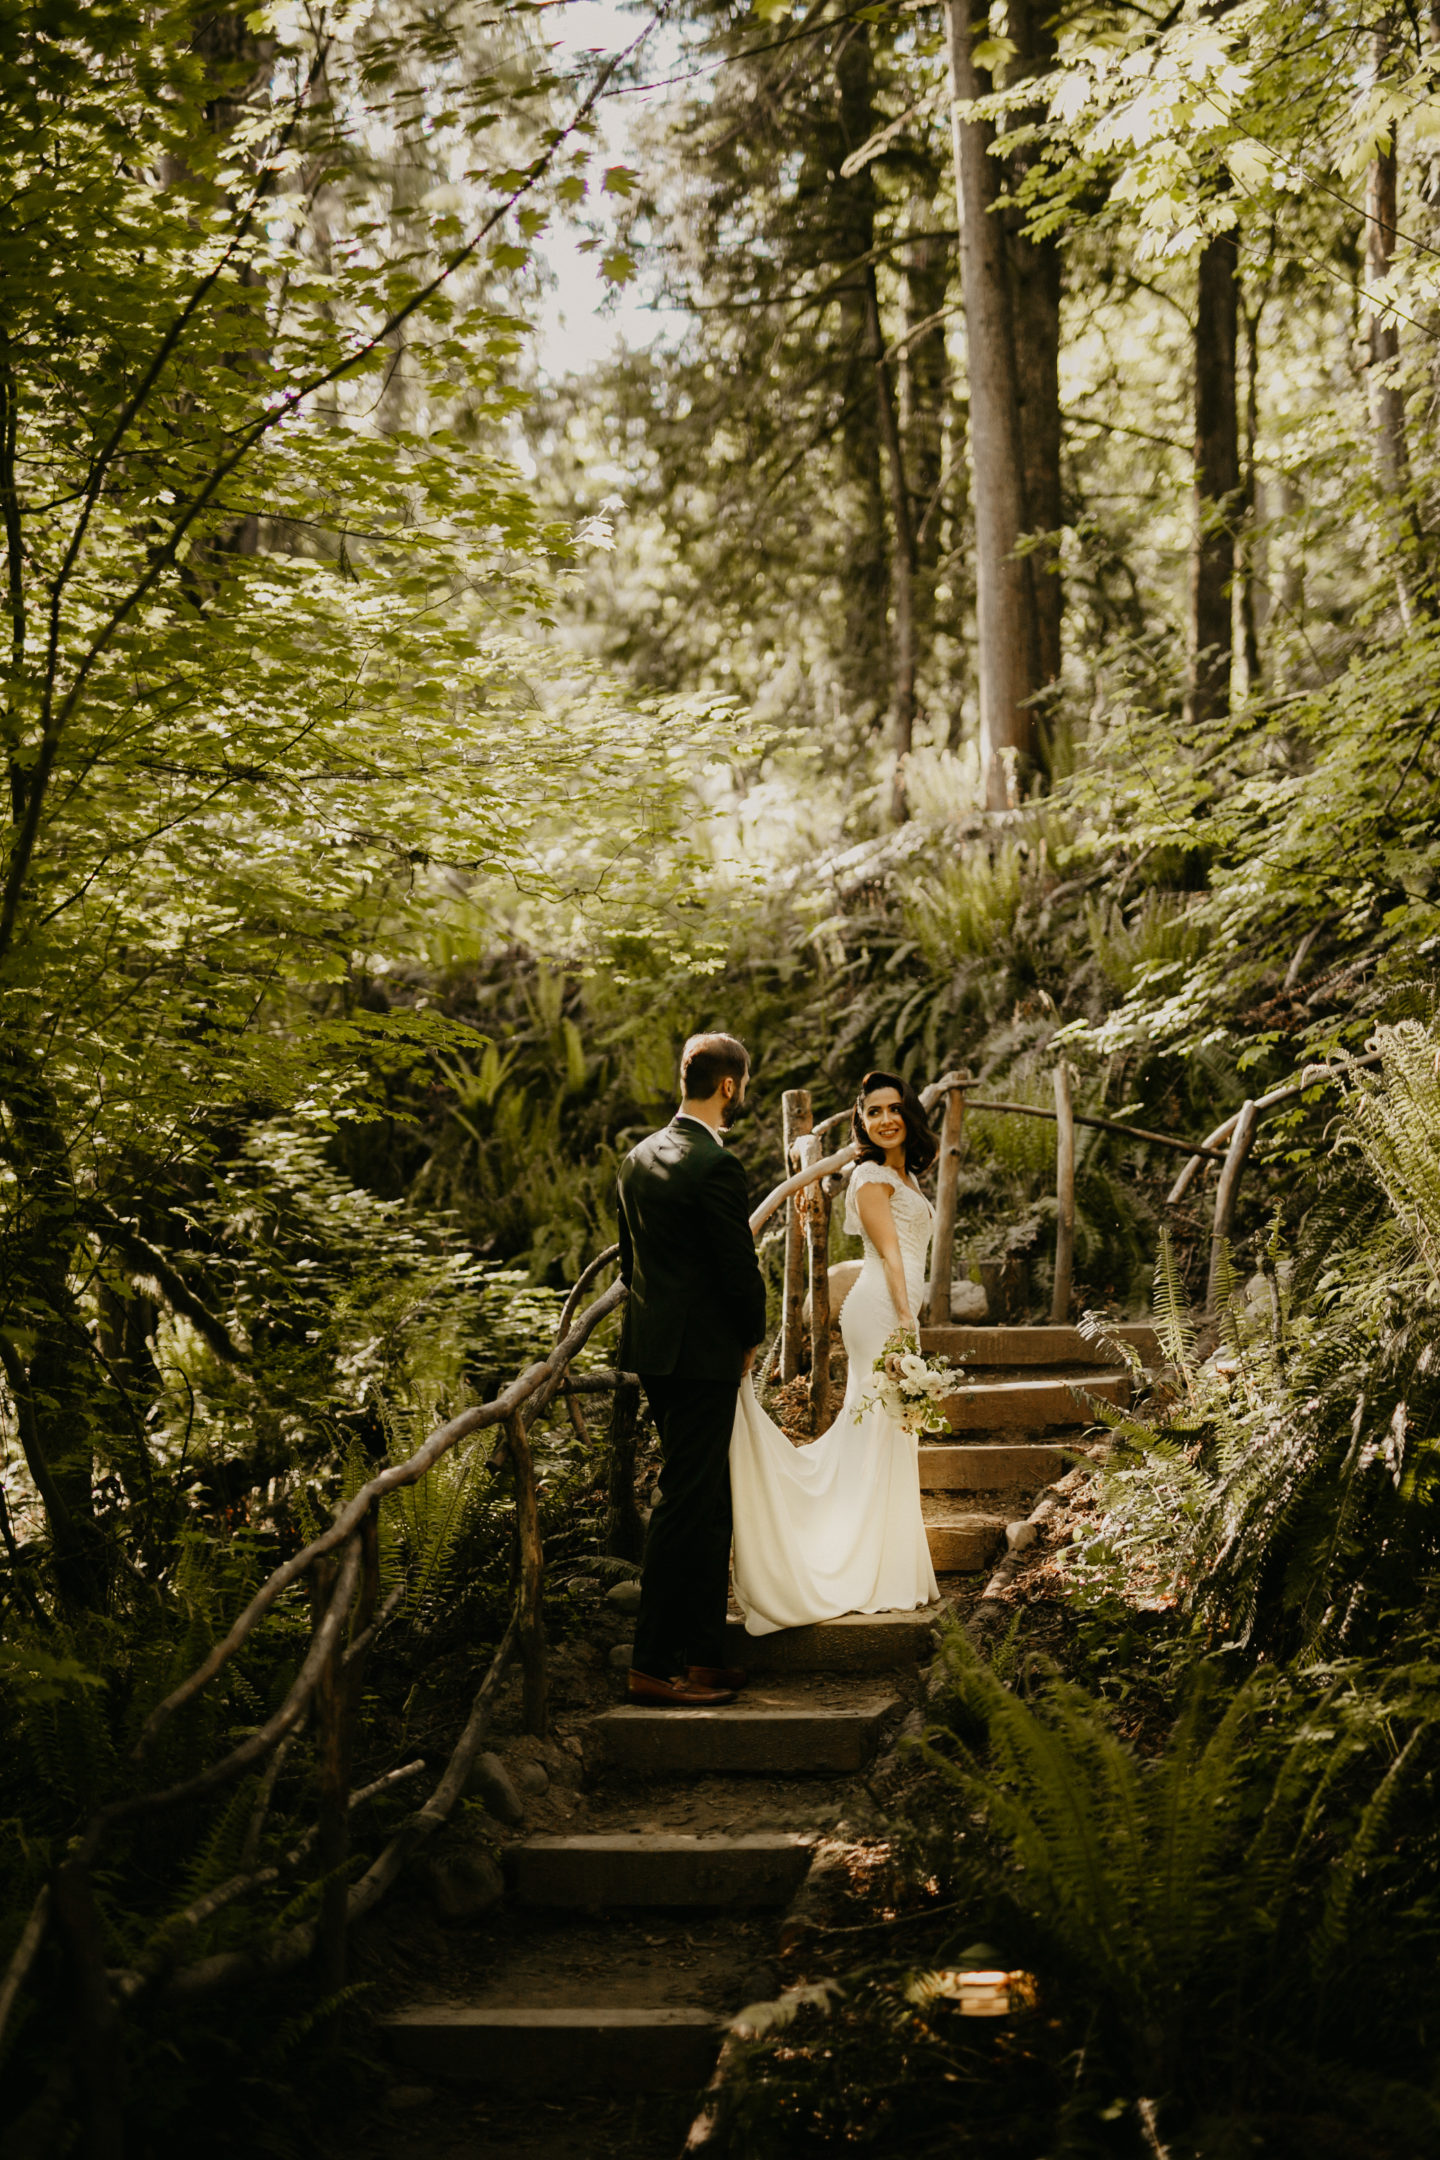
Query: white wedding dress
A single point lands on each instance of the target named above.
(835, 1526)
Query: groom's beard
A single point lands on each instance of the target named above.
(729, 1112)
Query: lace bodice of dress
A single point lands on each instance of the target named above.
(912, 1212)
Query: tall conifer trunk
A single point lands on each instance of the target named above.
(1248, 597)
(1390, 451)
(864, 567)
(922, 391)
(1387, 408)
(1216, 481)
(1006, 615)
(902, 562)
(1035, 281)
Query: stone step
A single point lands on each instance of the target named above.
(546, 2050)
(1032, 1405)
(855, 1643)
(961, 1544)
(746, 1736)
(987, 1466)
(655, 1868)
(1037, 1345)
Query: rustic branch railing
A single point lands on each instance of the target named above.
(1228, 1147)
(1311, 1076)
(947, 1187)
(1064, 1196)
(343, 1564)
(795, 1113)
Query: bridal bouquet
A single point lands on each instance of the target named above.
(910, 1386)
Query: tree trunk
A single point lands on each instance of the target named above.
(863, 570)
(922, 388)
(54, 1387)
(1005, 610)
(1217, 481)
(1389, 448)
(1245, 629)
(902, 562)
(1387, 408)
(1035, 278)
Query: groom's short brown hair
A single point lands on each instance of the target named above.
(706, 1060)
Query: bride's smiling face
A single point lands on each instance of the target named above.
(884, 1125)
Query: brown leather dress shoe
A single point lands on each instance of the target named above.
(730, 1677)
(682, 1693)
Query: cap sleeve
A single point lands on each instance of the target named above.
(864, 1173)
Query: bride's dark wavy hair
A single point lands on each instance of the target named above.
(921, 1145)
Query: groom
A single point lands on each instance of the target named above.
(695, 1313)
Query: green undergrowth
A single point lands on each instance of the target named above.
(1231, 1937)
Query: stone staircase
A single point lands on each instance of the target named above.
(821, 1701)
(623, 1949)
(1023, 1402)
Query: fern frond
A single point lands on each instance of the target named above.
(1173, 1323)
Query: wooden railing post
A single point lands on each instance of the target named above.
(1226, 1194)
(817, 1223)
(337, 1708)
(530, 1605)
(624, 1531)
(1064, 1196)
(98, 2058)
(798, 1117)
(947, 1179)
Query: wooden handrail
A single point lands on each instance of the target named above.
(327, 1665)
(1310, 1076)
(1064, 1196)
(796, 1115)
(1204, 1150)
(947, 1186)
(536, 1382)
(825, 1166)
(581, 1284)
(1104, 1124)
(1247, 1117)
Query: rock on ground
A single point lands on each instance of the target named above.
(491, 1783)
(464, 1881)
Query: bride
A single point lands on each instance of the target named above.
(835, 1526)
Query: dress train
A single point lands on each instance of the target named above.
(835, 1526)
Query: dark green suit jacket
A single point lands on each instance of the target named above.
(697, 1297)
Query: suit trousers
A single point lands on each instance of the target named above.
(685, 1577)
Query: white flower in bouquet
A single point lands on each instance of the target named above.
(909, 1386)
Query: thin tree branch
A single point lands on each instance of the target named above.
(23, 1957)
(145, 1260)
